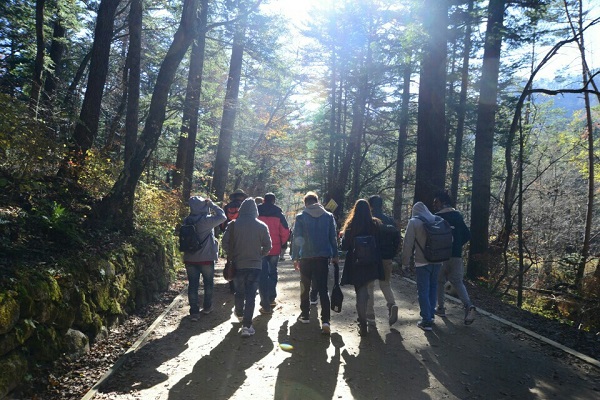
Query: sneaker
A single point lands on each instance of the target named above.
(326, 328)
(194, 317)
(426, 326)
(247, 332)
(264, 311)
(273, 303)
(314, 302)
(207, 310)
(470, 314)
(393, 314)
(440, 312)
(371, 322)
(304, 319)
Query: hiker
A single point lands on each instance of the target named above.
(389, 243)
(205, 215)
(314, 246)
(259, 200)
(231, 212)
(246, 240)
(426, 271)
(452, 270)
(279, 232)
(359, 272)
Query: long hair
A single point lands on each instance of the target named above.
(360, 220)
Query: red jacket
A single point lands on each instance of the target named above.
(279, 231)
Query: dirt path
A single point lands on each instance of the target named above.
(208, 359)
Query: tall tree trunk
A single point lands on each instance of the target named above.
(38, 67)
(484, 142)
(134, 52)
(117, 208)
(462, 106)
(186, 148)
(86, 128)
(402, 138)
(57, 51)
(432, 143)
(221, 170)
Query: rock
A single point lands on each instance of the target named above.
(14, 369)
(76, 344)
(9, 311)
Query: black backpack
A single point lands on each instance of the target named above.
(389, 241)
(366, 253)
(438, 245)
(188, 239)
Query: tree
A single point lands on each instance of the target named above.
(432, 144)
(133, 83)
(38, 69)
(484, 141)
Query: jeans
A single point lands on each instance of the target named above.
(452, 271)
(386, 289)
(427, 290)
(315, 270)
(268, 281)
(246, 285)
(362, 298)
(208, 279)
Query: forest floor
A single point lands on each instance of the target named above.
(182, 359)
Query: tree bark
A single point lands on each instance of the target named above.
(402, 138)
(432, 143)
(186, 148)
(38, 67)
(116, 209)
(136, 12)
(57, 51)
(484, 141)
(223, 156)
(86, 128)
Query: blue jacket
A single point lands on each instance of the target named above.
(314, 233)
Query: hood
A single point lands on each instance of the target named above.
(248, 209)
(198, 205)
(314, 210)
(269, 210)
(421, 210)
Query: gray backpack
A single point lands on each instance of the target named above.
(438, 245)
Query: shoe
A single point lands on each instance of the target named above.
(273, 304)
(194, 317)
(247, 332)
(314, 302)
(440, 312)
(207, 310)
(265, 312)
(304, 319)
(326, 328)
(426, 326)
(470, 315)
(393, 314)
(371, 322)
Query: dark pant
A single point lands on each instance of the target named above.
(246, 285)
(208, 275)
(268, 281)
(315, 270)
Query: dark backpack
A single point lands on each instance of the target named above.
(366, 253)
(188, 239)
(389, 241)
(438, 245)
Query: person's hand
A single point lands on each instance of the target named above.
(297, 265)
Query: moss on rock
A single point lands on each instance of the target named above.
(9, 311)
(14, 369)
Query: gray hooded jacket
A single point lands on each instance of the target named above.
(205, 223)
(416, 232)
(250, 240)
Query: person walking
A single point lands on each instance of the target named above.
(360, 223)
(246, 240)
(279, 232)
(231, 212)
(205, 216)
(315, 244)
(426, 271)
(389, 242)
(453, 269)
